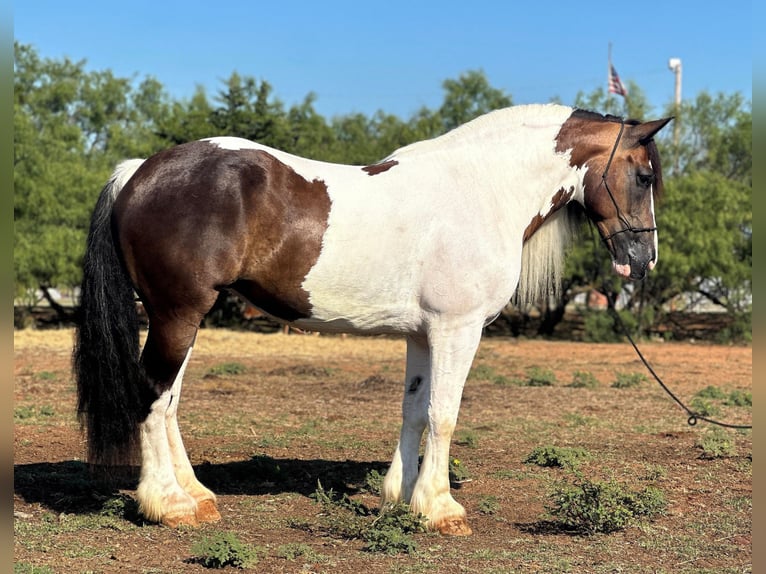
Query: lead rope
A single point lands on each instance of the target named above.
(693, 417)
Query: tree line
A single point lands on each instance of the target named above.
(72, 126)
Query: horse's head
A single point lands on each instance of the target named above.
(622, 180)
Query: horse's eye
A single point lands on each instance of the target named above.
(645, 179)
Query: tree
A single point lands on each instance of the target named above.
(468, 97)
(71, 127)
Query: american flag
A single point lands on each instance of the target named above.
(615, 85)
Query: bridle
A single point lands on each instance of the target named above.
(627, 226)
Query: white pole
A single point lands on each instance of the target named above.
(675, 65)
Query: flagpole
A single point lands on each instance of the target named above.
(609, 77)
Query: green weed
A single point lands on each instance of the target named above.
(539, 377)
(555, 456)
(467, 438)
(294, 550)
(390, 532)
(373, 482)
(704, 407)
(738, 398)
(224, 549)
(483, 372)
(583, 380)
(226, 370)
(591, 507)
(716, 443)
(711, 392)
(628, 380)
(24, 568)
(488, 504)
(458, 472)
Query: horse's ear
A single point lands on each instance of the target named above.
(640, 134)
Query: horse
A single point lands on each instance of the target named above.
(430, 243)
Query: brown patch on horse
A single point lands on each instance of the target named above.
(559, 200)
(377, 168)
(197, 219)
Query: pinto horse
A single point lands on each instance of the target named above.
(430, 243)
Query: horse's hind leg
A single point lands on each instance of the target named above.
(206, 510)
(168, 492)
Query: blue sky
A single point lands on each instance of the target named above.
(393, 56)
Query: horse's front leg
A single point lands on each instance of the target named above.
(452, 351)
(400, 478)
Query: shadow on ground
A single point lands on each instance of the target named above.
(76, 488)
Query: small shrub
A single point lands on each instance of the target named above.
(583, 380)
(591, 507)
(488, 505)
(23, 413)
(711, 392)
(458, 472)
(224, 549)
(24, 568)
(391, 533)
(539, 377)
(373, 482)
(716, 443)
(294, 550)
(601, 327)
(738, 398)
(628, 380)
(467, 438)
(704, 407)
(554, 456)
(116, 506)
(483, 372)
(226, 370)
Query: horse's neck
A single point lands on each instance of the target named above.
(510, 153)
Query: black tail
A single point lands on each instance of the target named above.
(111, 399)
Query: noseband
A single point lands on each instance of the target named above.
(626, 224)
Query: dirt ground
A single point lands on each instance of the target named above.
(265, 417)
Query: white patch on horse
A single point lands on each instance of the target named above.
(457, 203)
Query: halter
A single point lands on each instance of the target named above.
(627, 225)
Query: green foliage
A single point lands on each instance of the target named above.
(601, 326)
(294, 550)
(223, 549)
(226, 370)
(483, 372)
(389, 533)
(539, 377)
(373, 482)
(704, 407)
(583, 380)
(458, 472)
(716, 443)
(628, 380)
(739, 398)
(590, 507)
(467, 438)
(711, 392)
(489, 505)
(556, 456)
(24, 568)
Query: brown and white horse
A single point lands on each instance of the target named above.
(430, 243)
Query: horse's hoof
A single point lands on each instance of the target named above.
(454, 527)
(174, 521)
(207, 511)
